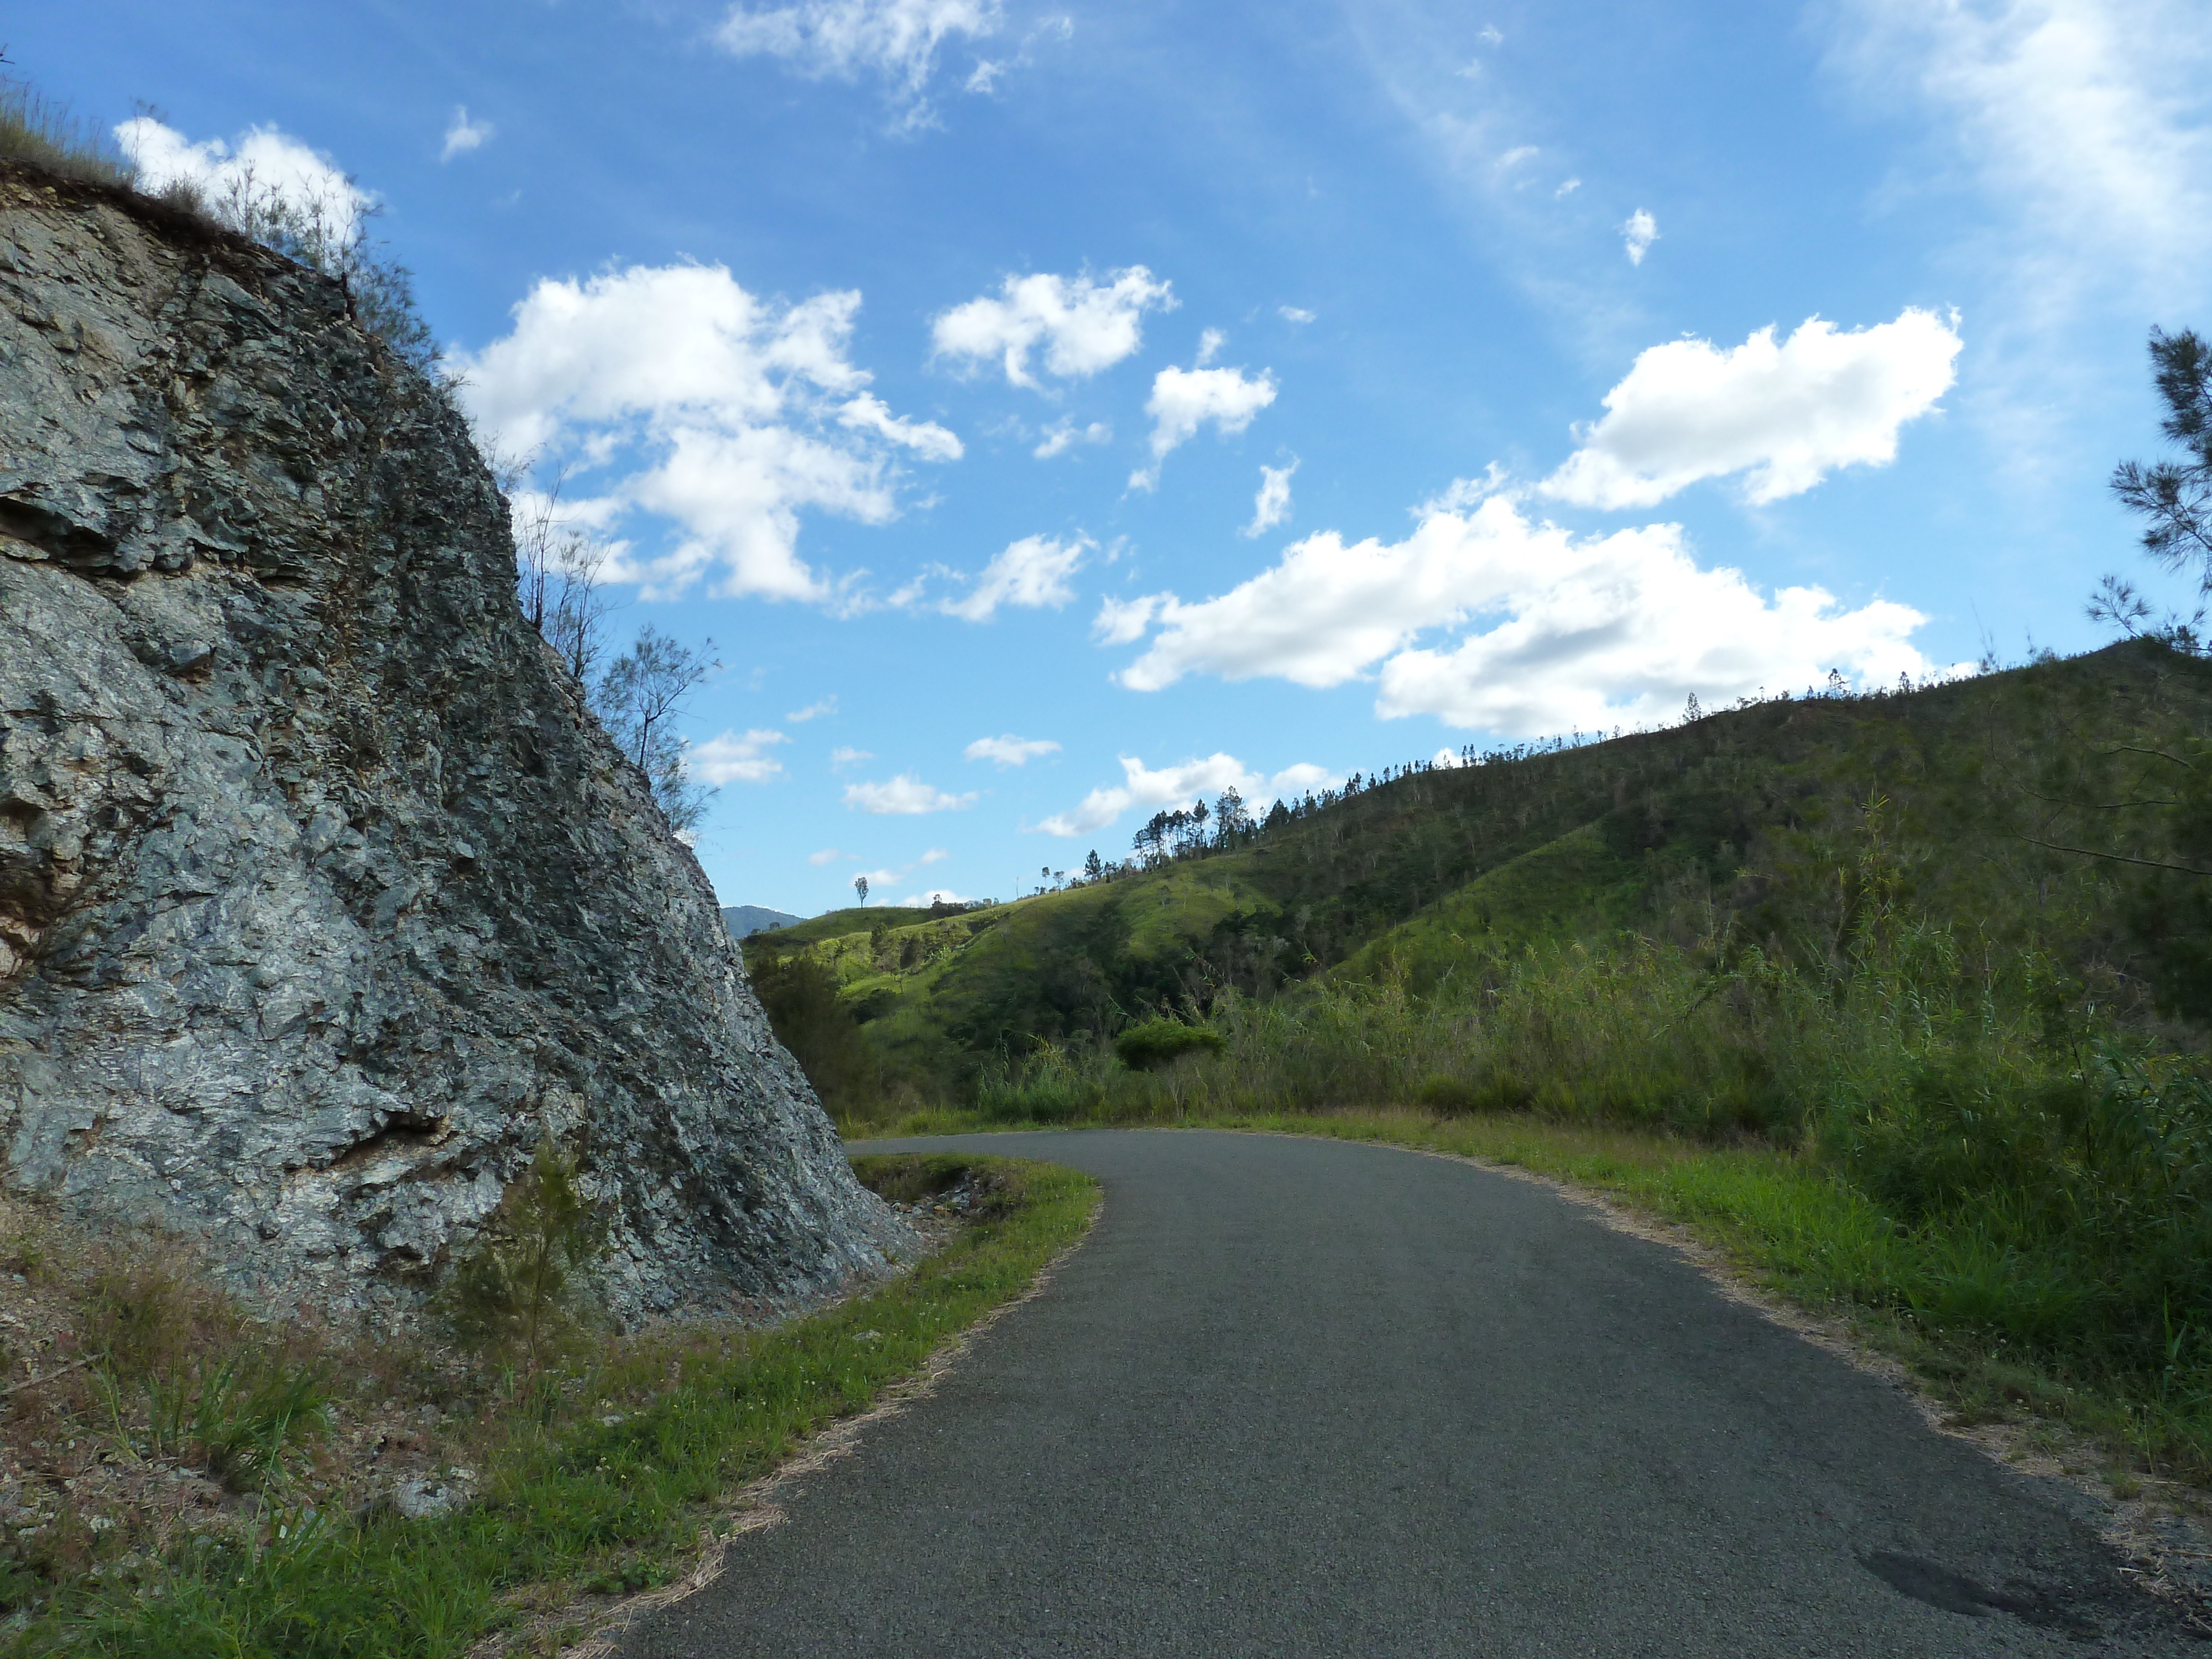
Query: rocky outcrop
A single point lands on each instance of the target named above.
(322, 897)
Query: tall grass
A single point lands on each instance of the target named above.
(37, 130)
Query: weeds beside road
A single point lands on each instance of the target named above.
(591, 1479)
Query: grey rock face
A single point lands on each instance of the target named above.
(322, 899)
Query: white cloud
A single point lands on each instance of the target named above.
(896, 40)
(1786, 415)
(1569, 635)
(2086, 120)
(1273, 504)
(849, 757)
(1566, 189)
(1010, 750)
(869, 413)
(1638, 235)
(1184, 399)
(1084, 326)
(1460, 494)
(1294, 313)
(827, 856)
(726, 413)
(235, 178)
(1210, 341)
(1063, 434)
(1031, 573)
(1120, 620)
(732, 759)
(934, 855)
(1169, 786)
(934, 895)
(813, 711)
(904, 794)
(463, 135)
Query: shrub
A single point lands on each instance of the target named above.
(1157, 1041)
(516, 1293)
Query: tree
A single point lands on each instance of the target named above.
(2176, 497)
(643, 692)
(1092, 869)
(860, 887)
(559, 571)
(1231, 819)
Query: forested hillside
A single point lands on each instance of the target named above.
(1769, 831)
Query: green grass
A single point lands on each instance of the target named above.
(570, 1501)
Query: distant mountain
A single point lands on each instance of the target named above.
(743, 919)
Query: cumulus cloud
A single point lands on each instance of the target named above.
(1185, 399)
(1167, 786)
(1637, 235)
(1010, 750)
(1120, 620)
(904, 795)
(2086, 119)
(1273, 504)
(1784, 415)
(727, 414)
(1084, 325)
(934, 895)
(734, 759)
(843, 756)
(1294, 313)
(827, 856)
(1560, 634)
(813, 711)
(1064, 434)
(896, 41)
(1031, 573)
(463, 135)
(262, 165)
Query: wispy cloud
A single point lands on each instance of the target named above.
(896, 41)
(734, 759)
(904, 795)
(463, 135)
(1273, 504)
(1010, 750)
(1638, 235)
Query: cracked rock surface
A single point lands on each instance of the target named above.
(322, 898)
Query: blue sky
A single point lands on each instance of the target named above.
(1054, 412)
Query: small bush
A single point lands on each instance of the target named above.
(516, 1293)
(1157, 1041)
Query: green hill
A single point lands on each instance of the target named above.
(1757, 830)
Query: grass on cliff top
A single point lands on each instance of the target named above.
(39, 132)
(594, 1484)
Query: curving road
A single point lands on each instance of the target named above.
(1303, 1397)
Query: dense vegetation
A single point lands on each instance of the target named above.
(1945, 947)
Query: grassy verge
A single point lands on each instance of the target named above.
(1936, 1298)
(594, 1481)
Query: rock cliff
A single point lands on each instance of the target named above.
(322, 898)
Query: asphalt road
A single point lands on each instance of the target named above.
(1302, 1397)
